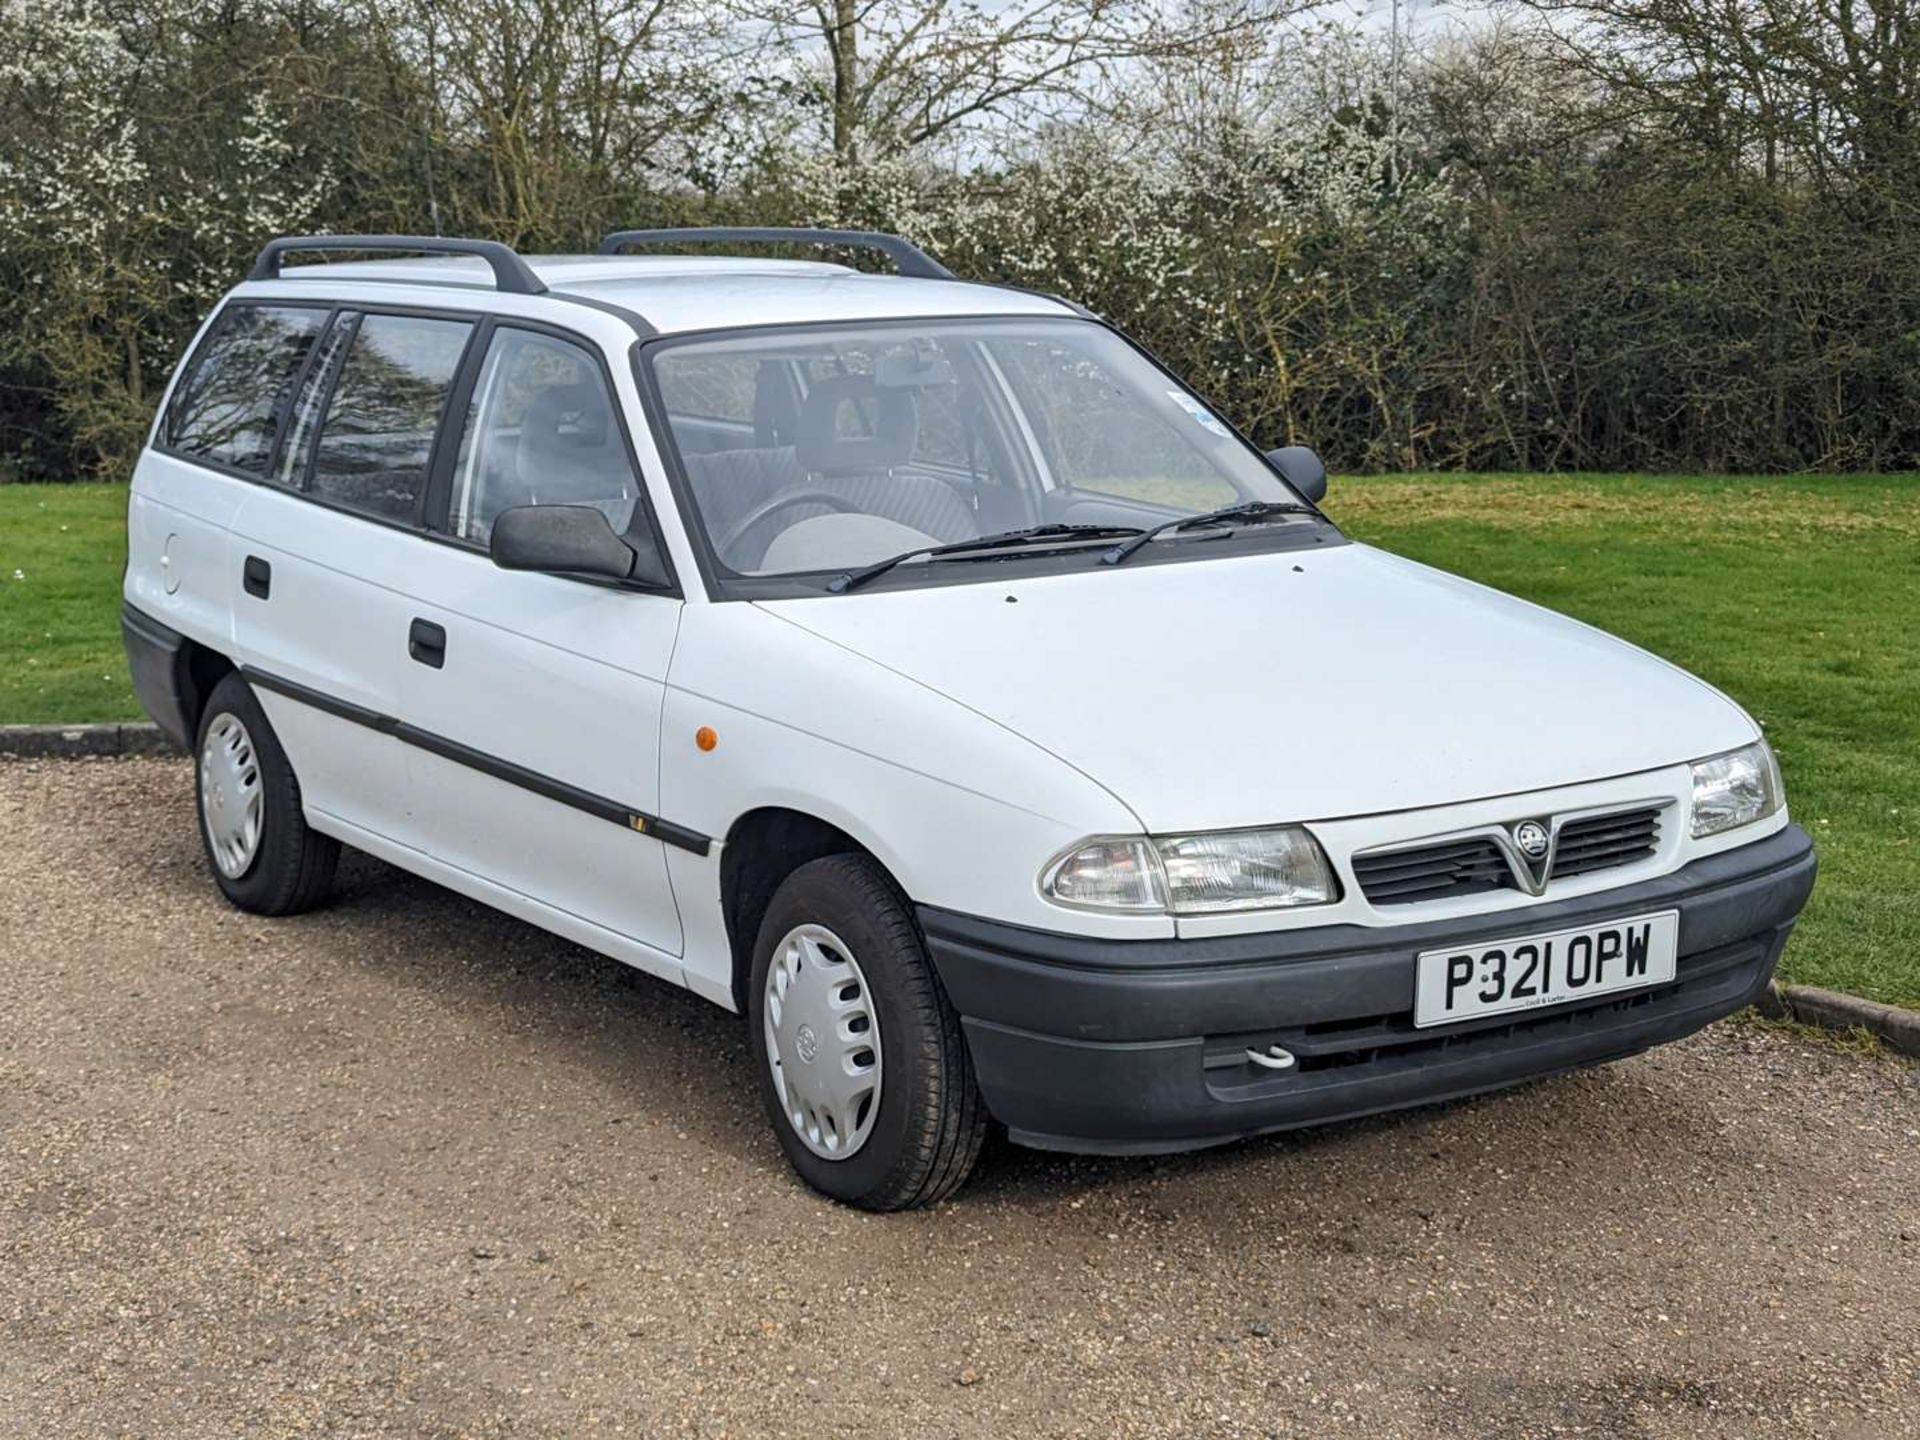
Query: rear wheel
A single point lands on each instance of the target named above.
(264, 856)
(860, 1058)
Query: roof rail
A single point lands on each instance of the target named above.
(908, 258)
(510, 273)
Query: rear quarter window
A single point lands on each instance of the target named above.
(228, 411)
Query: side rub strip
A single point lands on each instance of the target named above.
(625, 816)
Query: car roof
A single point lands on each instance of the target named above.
(678, 293)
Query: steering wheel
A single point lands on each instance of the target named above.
(775, 504)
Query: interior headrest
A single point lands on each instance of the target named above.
(823, 450)
(567, 417)
(776, 407)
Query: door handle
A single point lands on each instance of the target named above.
(427, 643)
(256, 576)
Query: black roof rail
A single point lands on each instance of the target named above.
(908, 258)
(510, 273)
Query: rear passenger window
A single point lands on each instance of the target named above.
(229, 409)
(541, 430)
(376, 439)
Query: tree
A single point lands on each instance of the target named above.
(1822, 90)
(895, 76)
(117, 225)
(544, 122)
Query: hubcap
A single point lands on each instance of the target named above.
(230, 800)
(823, 1042)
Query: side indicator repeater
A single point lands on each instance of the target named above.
(706, 737)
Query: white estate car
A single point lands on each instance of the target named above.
(920, 669)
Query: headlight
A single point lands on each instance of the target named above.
(1735, 789)
(1193, 874)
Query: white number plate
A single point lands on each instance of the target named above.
(1534, 970)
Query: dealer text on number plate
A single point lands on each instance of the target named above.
(1529, 971)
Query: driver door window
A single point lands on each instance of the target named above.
(540, 430)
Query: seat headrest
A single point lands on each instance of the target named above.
(776, 405)
(567, 417)
(823, 450)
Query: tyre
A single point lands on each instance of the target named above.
(264, 856)
(859, 1053)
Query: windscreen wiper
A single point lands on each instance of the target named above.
(1005, 540)
(1225, 515)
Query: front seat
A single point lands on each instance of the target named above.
(570, 453)
(868, 470)
(863, 470)
(727, 484)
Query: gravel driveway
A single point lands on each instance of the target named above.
(407, 1167)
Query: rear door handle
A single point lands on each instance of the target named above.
(257, 576)
(427, 643)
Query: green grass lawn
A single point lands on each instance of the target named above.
(1800, 597)
(62, 551)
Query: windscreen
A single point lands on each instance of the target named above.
(809, 450)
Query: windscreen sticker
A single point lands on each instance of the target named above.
(1199, 412)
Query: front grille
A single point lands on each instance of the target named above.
(1601, 842)
(1473, 864)
(1459, 867)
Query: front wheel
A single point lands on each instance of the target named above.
(264, 855)
(861, 1061)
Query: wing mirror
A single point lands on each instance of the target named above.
(569, 540)
(1301, 469)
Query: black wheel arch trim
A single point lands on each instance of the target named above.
(628, 817)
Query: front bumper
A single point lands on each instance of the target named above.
(1139, 1046)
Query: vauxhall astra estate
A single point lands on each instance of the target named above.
(919, 669)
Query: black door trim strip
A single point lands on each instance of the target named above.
(625, 816)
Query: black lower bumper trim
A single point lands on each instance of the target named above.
(156, 656)
(1142, 1046)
